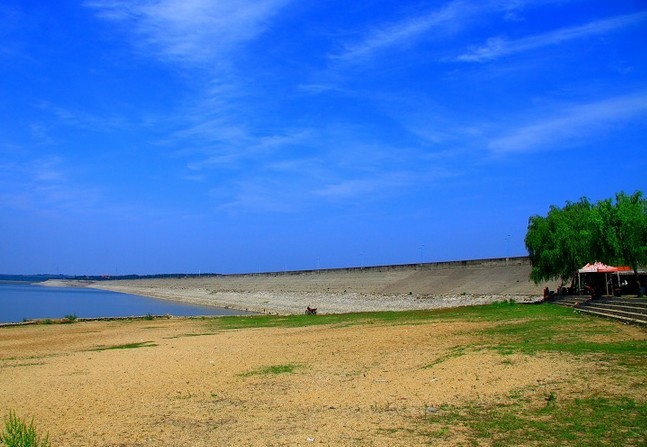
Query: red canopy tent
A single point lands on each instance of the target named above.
(599, 267)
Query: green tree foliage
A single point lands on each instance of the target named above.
(631, 229)
(567, 238)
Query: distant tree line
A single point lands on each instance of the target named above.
(29, 278)
(611, 231)
(45, 277)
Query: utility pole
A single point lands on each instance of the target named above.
(507, 248)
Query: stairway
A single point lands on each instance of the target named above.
(630, 310)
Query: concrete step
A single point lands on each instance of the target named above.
(632, 319)
(630, 301)
(612, 311)
(618, 307)
(632, 310)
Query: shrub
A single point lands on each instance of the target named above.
(70, 318)
(17, 433)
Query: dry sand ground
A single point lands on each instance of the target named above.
(364, 385)
(428, 286)
(361, 385)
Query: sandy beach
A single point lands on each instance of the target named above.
(189, 382)
(184, 383)
(426, 286)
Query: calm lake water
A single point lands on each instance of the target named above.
(19, 302)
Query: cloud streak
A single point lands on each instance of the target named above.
(82, 120)
(571, 126)
(43, 184)
(213, 126)
(452, 18)
(496, 47)
(406, 31)
(240, 147)
(191, 31)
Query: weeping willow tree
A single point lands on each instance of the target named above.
(614, 232)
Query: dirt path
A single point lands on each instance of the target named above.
(366, 385)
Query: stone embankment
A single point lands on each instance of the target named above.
(382, 288)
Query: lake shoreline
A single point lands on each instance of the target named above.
(149, 317)
(35, 303)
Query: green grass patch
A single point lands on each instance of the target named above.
(142, 344)
(566, 334)
(18, 365)
(579, 347)
(31, 357)
(194, 334)
(504, 311)
(273, 370)
(517, 328)
(453, 353)
(291, 321)
(588, 421)
(493, 312)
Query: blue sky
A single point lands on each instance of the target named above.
(240, 136)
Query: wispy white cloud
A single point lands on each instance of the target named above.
(349, 188)
(498, 47)
(349, 172)
(214, 127)
(320, 88)
(258, 195)
(382, 183)
(42, 184)
(229, 150)
(10, 21)
(81, 119)
(191, 31)
(48, 187)
(571, 126)
(451, 16)
(293, 191)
